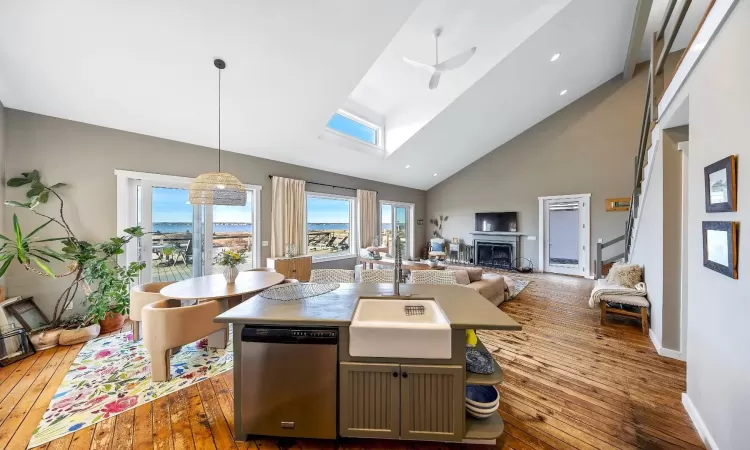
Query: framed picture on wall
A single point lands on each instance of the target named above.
(721, 185)
(720, 247)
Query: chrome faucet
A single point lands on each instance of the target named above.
(397, 267)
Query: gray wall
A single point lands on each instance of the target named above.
(85, 157)
(718, 360)
(2, 174)
(587, 147)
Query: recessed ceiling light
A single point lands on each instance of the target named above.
(563, 92)
(408, 165)
(555, 57)
(434, 174)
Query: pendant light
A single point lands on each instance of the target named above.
(218, 188)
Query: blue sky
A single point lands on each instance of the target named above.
(171, 205)
(352, 128)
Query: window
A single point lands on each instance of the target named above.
(355, 127)
(330, 220)
(398, 217)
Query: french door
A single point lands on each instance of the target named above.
(182, 239)
(396, 219)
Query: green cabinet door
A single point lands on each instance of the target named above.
(432, 402)
(369, 400)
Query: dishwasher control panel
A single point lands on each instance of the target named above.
(289, 335)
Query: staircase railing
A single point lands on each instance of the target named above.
(601, 246)
(661, 44)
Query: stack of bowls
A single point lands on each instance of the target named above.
(482, 401)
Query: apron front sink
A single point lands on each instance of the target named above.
(399, 328)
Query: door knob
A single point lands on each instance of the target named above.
(395, 374)
(405, 375)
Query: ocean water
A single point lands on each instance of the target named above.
(182, 227)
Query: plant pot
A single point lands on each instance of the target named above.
(79, 335)
(46, 339)
(112, 322)
(230, 274)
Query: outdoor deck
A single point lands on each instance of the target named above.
(177, 272)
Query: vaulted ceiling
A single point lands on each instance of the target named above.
(145, 66)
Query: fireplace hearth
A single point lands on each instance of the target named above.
(496, 249)
(495, 254)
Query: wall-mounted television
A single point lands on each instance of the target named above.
(496, 221)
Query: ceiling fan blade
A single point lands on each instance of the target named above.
(457, 61)
(435, 79)
(421, 65)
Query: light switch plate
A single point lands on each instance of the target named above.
(531, 238)
(264, 244)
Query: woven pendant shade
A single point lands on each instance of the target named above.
(217, 188)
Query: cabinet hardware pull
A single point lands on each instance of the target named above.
(395, 374)
(404, 374)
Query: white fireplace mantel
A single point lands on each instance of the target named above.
(496, 233)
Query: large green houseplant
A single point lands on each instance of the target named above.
(93, 267)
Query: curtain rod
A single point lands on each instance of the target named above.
(323, 184)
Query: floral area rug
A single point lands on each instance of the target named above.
(112, 374)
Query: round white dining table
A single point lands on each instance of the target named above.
(215, 286)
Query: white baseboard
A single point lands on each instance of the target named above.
(700, 426)
(666, 352)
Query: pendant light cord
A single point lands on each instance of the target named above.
(219, 120)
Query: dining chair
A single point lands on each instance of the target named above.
(140, 296)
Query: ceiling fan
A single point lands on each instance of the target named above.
(438, 68)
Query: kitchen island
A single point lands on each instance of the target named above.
(317, 389)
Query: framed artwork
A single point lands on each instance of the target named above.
(720, 247)
(27, 314)
(618, 204)
(721, 185)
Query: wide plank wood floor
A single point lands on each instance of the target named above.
(569, 384)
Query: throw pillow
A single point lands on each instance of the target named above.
(475, 273)
(627, 275)
(462, 277)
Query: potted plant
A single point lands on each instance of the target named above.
(91, 266)
(107, 283)
(229, 260)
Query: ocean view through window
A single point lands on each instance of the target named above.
(329, 225)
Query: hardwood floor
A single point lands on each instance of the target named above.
(569, 384)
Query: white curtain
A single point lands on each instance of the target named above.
(367, 217)
(287, 215)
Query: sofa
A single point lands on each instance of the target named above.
(493, 286)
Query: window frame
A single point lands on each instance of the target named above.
(353, 226)
(379, 130)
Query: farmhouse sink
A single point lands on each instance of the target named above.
(399, 328)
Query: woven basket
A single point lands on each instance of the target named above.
(72, 337)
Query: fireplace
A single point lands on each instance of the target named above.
(497, 249)
(495, 254)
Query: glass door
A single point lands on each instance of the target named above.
(396, 221)
(184, 239)
(563, 237)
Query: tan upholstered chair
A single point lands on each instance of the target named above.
(140, 296)
(331, 276)
(167, 324)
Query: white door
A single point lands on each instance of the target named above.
(396, 220)
(565, 235)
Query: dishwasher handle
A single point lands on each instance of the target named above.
(286, 335)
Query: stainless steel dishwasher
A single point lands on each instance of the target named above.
(289, 385)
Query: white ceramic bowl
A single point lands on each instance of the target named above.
(480, 414)
(482, 410)
(482, 405)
